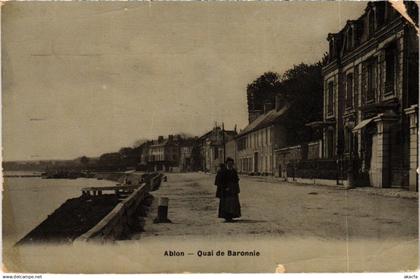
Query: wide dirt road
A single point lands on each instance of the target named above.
(302, 228)
(283, 209)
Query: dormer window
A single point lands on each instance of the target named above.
(349, 44)
(389, 12)
(332, 50)
(412, 10)
(371, 22)
(380, 13)
(356, 33)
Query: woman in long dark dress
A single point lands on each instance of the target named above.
(227, 182)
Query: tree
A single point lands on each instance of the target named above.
(262, 90)
(139, 142)
(84, 160)
(302, 88)
(110, 161)
(129, 156)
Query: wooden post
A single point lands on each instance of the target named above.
(162, 211)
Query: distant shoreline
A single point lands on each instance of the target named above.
(22, 175)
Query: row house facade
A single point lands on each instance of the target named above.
(231, 150)
(212, 145)
(187, 160)
(256, 142)
(371, 96)
(164, 154)
(144, 155)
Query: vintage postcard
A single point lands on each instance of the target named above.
(209, 137)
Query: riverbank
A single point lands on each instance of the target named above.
(27, 201)
(78, 215)
(73, 218)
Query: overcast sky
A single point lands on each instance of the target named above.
(88, 78)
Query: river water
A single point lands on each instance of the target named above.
(27, 201)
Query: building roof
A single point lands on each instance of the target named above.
(158, 144)
(164, 142)
(205, 135)
(347, 42)
(231, 133)
(188, 142)
(264, 120)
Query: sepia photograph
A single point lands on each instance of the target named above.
(210, 137)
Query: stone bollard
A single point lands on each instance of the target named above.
(162, 211)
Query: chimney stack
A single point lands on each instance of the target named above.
(254, 114)
(267, 107)
(280, 102)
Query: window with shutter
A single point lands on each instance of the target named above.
(356, 86)
(349, 91)
(370, 81)
(364, 83)
(330, 98)
(390, 65)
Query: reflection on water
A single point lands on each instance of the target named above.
(28, 201)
